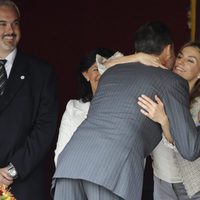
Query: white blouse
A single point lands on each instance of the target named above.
(76, 111)
(169, 166)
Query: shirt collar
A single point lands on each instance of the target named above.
(10, 60)
(11, 57)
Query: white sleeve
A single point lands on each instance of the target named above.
(168, 144)
(100, 60)
(194, 110)
(64, 134)
(66, 129)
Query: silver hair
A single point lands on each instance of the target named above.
(10, 3)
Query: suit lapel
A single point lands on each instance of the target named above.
(16, 79)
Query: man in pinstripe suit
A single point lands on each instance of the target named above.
(105, 158)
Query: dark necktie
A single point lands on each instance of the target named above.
(3, 76)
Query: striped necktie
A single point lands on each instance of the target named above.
(3, 76)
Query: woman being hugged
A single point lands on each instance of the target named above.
(174, 177)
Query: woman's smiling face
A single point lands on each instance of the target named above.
(92, 75)
(187, 64)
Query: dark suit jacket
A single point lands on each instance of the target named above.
(109, 147)
(28, 117)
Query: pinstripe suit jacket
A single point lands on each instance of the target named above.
(109, 147)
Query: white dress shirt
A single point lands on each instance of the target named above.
(10, 59)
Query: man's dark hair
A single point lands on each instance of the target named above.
(152, 37)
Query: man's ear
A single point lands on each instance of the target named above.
(167, 51)
(167, 56)
(85, 74)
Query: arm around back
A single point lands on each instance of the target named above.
(185, 134)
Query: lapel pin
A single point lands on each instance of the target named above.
(22, 77)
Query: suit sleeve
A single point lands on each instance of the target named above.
(39, 140)
(185, 134)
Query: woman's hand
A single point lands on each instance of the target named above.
(155, 111)
(144, 58)
(148, 59)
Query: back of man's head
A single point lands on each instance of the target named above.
(152, 38)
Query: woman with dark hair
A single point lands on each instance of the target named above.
(88, 69)
(76, 110)
(174, 177)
